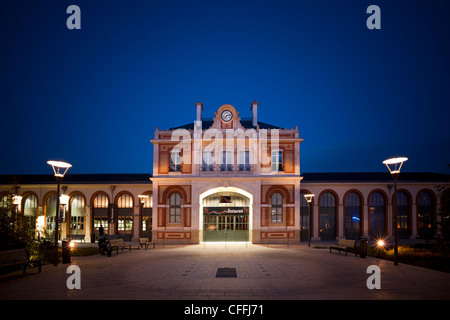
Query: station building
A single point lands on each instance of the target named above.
(227, 178)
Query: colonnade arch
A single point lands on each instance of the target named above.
(245, 218)
(373, 207)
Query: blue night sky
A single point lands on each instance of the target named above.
(94, 97)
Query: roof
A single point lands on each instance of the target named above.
(324, 177)
(247, 124)
(96, 178)
(140, 178)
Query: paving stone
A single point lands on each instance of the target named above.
(263, 272)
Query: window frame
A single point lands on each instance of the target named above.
(227, 166)
(244, 161)
(206, 166)
(278, 156)
(276, 208)
(175, 208)
(175, 161)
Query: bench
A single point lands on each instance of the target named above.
(144, 242)
(76, 237)
(344, 245)
(15, 257)
(119, 244)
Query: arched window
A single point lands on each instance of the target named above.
(304, 217)
(77, 205)
(101, 201)
(30, 211)
(402, 215)
(125, 216)
(125, 201)
(100, 213)
(5, 203)
(146, 217)
(425, 215)
(327, 213)
(50, 212)
(376, 215)
(277, 207)
(175, 208)
(352, 215)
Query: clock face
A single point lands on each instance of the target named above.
(226, 115)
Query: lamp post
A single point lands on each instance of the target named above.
(143, 198)
(394, 166)
(308, 198)
(57, 167)
(63, 203)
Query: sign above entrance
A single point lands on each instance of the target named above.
(225, 210)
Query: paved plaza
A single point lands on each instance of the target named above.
(263, 272)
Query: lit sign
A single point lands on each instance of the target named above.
(225, 210)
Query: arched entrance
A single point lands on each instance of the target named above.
(225, 215)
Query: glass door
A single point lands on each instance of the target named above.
(225, 228)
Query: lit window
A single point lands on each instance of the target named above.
(101, 201)
(125, 201)
(100, 212)
(125, 224)
(30, 211)
(4, 202)
(148, 203)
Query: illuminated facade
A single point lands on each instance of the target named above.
(227, 178)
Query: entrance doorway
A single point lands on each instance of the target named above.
(225, 227)
(226, 217)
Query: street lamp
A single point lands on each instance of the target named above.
(63, 203)
(394, 165)
(57, 167)
(143, 198)
(308, 198)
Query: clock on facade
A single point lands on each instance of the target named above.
(226, 115)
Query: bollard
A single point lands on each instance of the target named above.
(66, 252)
(363, 247)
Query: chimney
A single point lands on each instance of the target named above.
(254, 109)
(199, 111)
